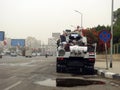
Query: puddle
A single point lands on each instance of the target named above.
(67, 82)
(77, 82)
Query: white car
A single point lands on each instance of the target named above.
(38, 54)
(34, 54)
(13, 54)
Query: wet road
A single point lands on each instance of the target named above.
(38, 73)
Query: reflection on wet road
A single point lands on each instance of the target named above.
(69, 82)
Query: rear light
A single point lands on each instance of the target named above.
(60, 59)
(91, 59)
(91, 53)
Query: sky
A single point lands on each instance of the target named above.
(40, 18)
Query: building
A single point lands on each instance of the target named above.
(52, 46)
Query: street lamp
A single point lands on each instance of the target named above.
(111, 34)
(81, 17)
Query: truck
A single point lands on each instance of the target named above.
(28, 52)
(74, 54)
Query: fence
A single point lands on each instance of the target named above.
(116, 49)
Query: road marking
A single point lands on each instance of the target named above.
(12, 77)
(8, 88)
(32, 76)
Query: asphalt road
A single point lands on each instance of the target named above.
(38, 73)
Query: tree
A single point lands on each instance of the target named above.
(90, 34)
(99, 28)
(31, 42)
(116, 27)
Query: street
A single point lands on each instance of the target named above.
(39, 73)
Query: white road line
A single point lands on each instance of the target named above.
(32, 76)
(12, 77)
(19, 82)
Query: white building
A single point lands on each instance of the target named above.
(52, 46)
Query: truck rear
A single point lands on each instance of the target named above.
(75, 55)
(28, 53)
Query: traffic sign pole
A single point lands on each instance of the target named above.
(105, 36)
(106, 56)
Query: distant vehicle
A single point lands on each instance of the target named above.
(14, 54)
(2, 53)
(28, 53)
(50, 54)
(38, 54)
(34, 54)
(7, 52)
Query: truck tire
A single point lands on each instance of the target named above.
(60, 69)
(88, 71)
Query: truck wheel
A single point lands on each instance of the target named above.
(88, 71)
(60, 69)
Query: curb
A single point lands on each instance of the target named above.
(107, 74)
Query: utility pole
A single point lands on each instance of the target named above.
(111, 57)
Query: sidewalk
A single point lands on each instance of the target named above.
(114, 72)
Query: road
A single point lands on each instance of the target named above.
(38, 73)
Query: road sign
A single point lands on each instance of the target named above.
(2, 33)
(105, 36)
(18, 42)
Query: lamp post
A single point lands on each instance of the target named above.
(81, 17)
(111, 58)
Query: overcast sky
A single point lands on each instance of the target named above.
(39, 18)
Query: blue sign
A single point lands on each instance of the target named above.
(2, 35)
(105, 36)
(18, 42)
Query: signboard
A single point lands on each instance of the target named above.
(2, 33)
(105, 36)
(18, 42)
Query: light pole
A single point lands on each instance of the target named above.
(81, 17)
(111, 58)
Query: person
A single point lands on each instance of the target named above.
(63, 37)
(46, 55)
(79, 30)
(58, 43)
